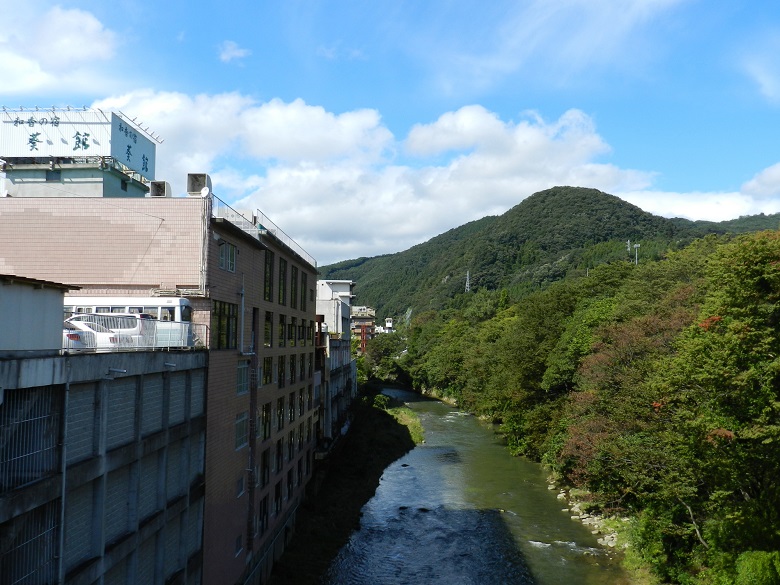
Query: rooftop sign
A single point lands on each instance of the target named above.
(76, 133)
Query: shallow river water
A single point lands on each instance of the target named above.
(460, 510)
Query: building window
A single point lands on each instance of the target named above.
(290, 484)
(291, 332)
(266, 421)
(293, 368)
(280, 413)
(242, 430)
(294, 287)
(278, 497)
(310, 397)
(242, 377)
(301, 402)
(224, 319)
(269, 329)
(265, 467)
(300, 437)
(268, 274)
(281, 371)
(291, 407)
(53, 176)
(239, 545)
(268, 370)
(279, 455)
(282, 281)
(304, 284)
(262, 517)
(227, 256)
(311, 365)
(282, 330)
(291, 446)
(240, 487)
(308, 430)
(302, 375)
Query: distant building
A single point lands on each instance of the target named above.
(101, 457)
(362, 324)
(334, 299)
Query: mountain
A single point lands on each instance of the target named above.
(542, 239)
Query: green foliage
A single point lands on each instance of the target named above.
(656, 387)
(758, 568)
(382, 401)
(553, 234)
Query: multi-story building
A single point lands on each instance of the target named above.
(101, 454)
(363, 325)
(334, 298)
(249, 283)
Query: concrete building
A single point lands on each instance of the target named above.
(248, 282)
(363, 325)
(101, 456)
(334, 299)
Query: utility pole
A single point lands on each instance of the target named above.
(636, 254)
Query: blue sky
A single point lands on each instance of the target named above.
(363, 128)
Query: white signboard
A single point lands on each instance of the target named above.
(75, 133)
(132, 148)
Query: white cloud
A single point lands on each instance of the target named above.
(568, 37)
(765, 185)
(53, 50)
(334, 184)
(229, 50)
(761, 65)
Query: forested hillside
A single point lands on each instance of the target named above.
(554, 233)
(655, 387)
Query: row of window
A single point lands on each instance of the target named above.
(290, 333)
(288, 369)
(299, 293)
(288, 409)
(224, 328)
(283, 491)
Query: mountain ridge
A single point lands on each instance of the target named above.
(545, 237)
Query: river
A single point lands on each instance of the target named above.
(460, 510)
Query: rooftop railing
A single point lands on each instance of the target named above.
(257, 226)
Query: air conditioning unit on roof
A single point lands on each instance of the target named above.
(198, 184)
(159, 189)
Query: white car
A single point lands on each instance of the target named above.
(83, 334)
(134, 329)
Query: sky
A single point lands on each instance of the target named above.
(364, 128)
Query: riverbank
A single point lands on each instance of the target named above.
(326, 519)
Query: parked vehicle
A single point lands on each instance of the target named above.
(172, 317)
(89, 335)
(140, 328)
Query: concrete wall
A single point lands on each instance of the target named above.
(75, 180)
(130, 487)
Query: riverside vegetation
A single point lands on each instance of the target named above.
(653, 389)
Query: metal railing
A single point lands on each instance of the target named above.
(104, 332)
(257, 226)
